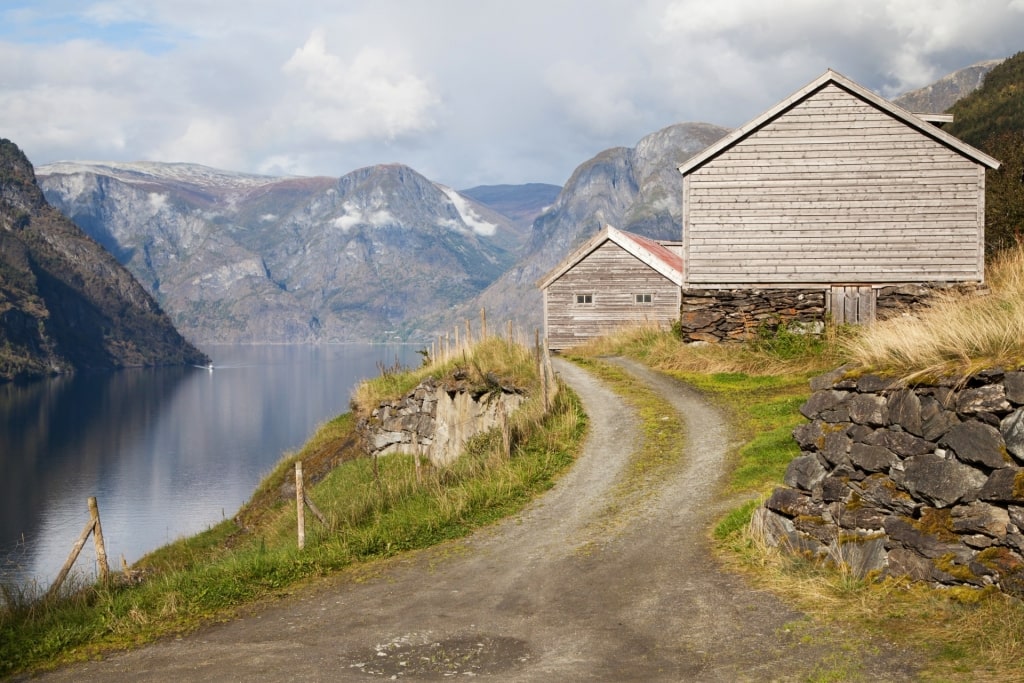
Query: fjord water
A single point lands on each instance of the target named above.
(167, 452)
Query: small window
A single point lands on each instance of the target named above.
(643, 298)
(584, 298)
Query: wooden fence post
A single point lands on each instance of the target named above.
(72, 556)
(97, 538)
(315, 510)
(506, 434)
(483, 323)
(300, 496)
(549, 371)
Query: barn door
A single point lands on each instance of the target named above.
(852, 305)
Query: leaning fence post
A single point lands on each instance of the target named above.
(299, 500)
(315, 510)
(72, 556)
(97, 538)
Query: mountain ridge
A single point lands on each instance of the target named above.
(247, 258)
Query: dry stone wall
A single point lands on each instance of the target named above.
(719, 315)
(722, 315)
(437, 418)
(924, 481)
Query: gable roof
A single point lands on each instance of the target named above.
(831, 77)
(655, 255)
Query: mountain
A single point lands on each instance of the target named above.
(943, 93)
(65, 302)
(244, 258)
(521, 204)
(992, 119)
(636, 189)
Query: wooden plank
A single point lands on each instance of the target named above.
(959, 190)
(850, 301)
(687, 194)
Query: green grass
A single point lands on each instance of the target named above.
(764, 411)
(207, 577)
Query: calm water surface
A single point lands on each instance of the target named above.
(167, 452)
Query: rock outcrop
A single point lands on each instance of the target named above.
(925, 481)
(437, 418)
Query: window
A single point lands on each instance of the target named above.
(643, 298)
(584, 298)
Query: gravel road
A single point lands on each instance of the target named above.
(548, 595)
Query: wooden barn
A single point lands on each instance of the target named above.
(835, 193)
(616, 279)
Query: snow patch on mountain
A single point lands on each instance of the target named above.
(148, 171)
(354, 216)
(470, 217)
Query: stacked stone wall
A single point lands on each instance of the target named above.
(436, 419)
(924, 481)
(723, 315)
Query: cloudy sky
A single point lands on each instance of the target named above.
(467, 92)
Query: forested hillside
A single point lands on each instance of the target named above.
(992, 119)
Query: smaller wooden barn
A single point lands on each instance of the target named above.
(617, 279)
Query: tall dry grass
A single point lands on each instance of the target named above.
(959, 333)
(505, 359)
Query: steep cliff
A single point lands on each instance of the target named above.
(65, 303)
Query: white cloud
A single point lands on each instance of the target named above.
(595, 100)
(213, 142)
(451, 88)
(373, 95)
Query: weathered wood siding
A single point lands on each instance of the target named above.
(614, 277)
(834, 191)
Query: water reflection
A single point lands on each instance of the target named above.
(167, 452)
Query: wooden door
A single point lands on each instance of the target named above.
(851, 305)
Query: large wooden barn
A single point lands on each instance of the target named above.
(835, 197)
(616, 279)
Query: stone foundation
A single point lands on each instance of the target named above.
(436, 418)
(720, 315)
(925, 481)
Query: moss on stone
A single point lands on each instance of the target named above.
(937, 522)
(1018, 485)
(960, 572)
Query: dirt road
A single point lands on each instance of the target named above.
(548, 595)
